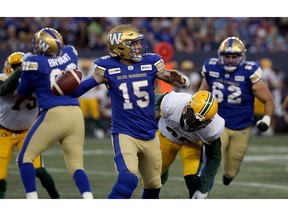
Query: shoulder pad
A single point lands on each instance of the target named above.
(71, 47)
(105, 57)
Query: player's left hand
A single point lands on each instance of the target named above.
(264, 123)
(174, 75)
(199, 195)
(178, 77)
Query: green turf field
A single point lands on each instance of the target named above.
(262, 175)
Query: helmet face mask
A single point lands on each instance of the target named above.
(124, 41)
(231, 53)
(198, 112)
(48, 42)
(191, 121)
(13, 62)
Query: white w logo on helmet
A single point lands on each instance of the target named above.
(43, 46)
(115, 38)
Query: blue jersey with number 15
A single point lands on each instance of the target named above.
(233, 91)
(131, 88)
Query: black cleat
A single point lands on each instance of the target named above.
(226, 181)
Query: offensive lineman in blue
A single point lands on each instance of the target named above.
(236, 82)
(60, 118)
(129, 76)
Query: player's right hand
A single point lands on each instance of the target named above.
(264, 123)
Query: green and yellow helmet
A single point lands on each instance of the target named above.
(13, 62)
(199, 111)
(120, 39)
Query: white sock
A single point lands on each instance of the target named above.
(87, 195)
(32, 195)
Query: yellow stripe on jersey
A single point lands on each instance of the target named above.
(256, 75)
(27, 65)
(99, 70)
(159, 64)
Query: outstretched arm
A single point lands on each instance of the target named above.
(174, 78)
(87, 84)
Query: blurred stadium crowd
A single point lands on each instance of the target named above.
(187, 35)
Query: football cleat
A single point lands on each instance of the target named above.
(225, 180)
(231, 53)
(48, 42)
(13, 62)
(121, 40)
(198, 113)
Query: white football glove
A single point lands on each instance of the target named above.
(199, 195)
(264, 123)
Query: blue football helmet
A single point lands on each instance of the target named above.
(231, 53)
(48, 42)
(121, 42)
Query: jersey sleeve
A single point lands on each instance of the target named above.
(256, 72)
(29, 64)
(99, 69)
(207, 64)
(165, 107)
(158, 100)
(159, 63)
(216, 128)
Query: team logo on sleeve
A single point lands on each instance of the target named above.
(146, 67)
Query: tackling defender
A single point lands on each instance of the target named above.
(189, 124)
(130, 75)
(14, 125)
(235, 83)
(60, 118)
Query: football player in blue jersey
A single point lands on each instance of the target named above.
(60, 118)
(14, 125)
(236, 82)
(129, 75)
(189, 124)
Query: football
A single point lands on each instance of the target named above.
(66, 82)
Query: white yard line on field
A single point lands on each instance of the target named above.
(14, 171)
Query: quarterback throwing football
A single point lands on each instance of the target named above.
(129, 75)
